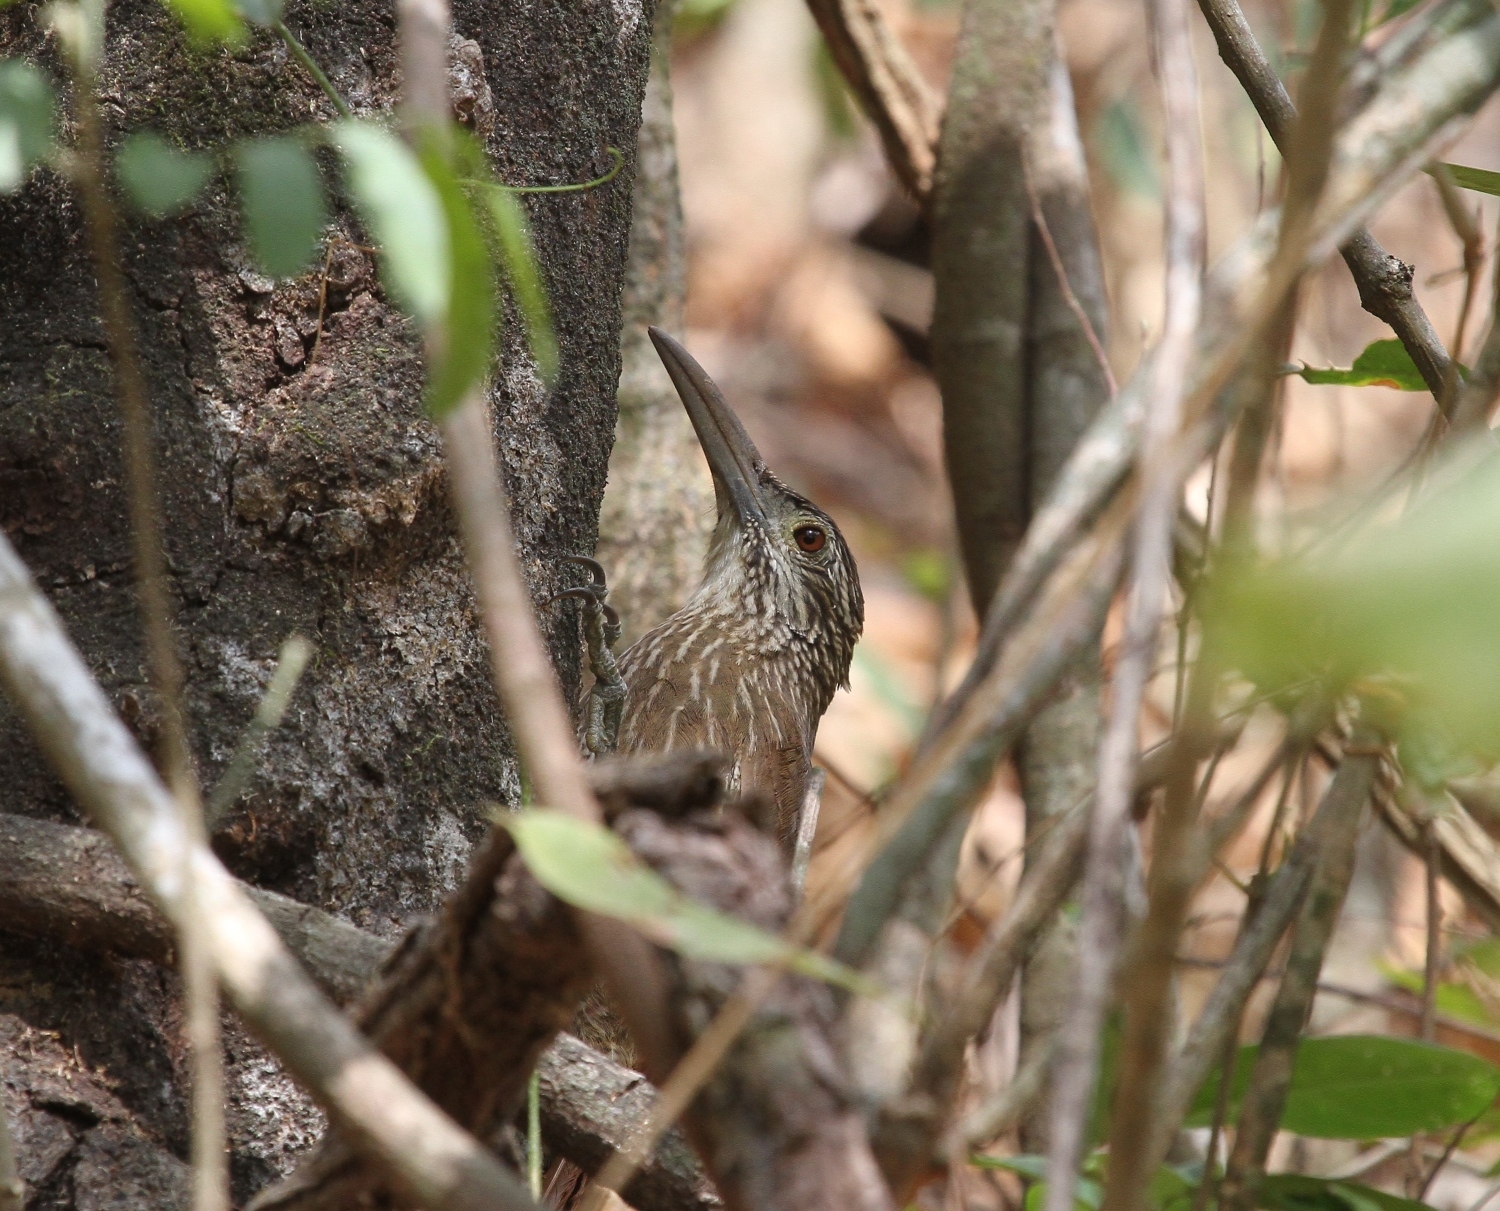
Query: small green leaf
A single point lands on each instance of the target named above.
(470, 330)
(1295, 1192)
(517, 258)
(281, 192)
(1088, 1193)
(1480, 180)
(592, 869)
(1382, 364)
(209, 21)
(404, 213)
(1364, 1087)
(159, 179)
(26, 121)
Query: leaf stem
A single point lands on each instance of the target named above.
(299, 53)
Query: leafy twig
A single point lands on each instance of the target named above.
(1384, 283)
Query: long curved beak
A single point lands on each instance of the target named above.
(732, 457)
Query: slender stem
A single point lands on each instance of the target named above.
(1384, 283)
(200, 990)
(534, 1134)
(299, 53)
(1270, 1077)
(1161, 477)
(1432, 956)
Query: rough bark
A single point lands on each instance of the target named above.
(658, 505)
(1066, 386)
(301, 493)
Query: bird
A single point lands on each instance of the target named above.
(750, 663)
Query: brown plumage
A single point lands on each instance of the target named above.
(752, 661)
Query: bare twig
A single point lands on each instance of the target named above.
(997, 1116)
(1161, 478)
(518, 658)
(69, 885)
(99, 761)
(200, 993)
(1054, 258)
(1270, 1077)
(1384, 283)
(904, 1139)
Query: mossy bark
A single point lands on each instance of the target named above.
(303, 491)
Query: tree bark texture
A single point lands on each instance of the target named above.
(303, 490)
(659, 502)
(1066, 383)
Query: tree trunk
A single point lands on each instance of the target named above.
(303, 490)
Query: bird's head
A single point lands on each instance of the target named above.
(775, 557)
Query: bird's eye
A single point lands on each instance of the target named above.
(810, 538)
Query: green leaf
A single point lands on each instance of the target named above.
(517, 257)
(405, 214)
(1368, 1087)
(26, 121)
(159, 179)
(1382, 364)
(281, 192)
(470, 327)
(1294, 1192)
(1402, 612)
(1480, 180)
(591, 868)
(209, 21)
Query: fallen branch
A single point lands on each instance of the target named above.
(68, 884)
(390, 1120)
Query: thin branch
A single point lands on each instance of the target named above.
(201, 996)
(320, 78)
(1161, 477)
(1055, 259)
(71, 887)
(1264, 1099)
(518, 658)
(1415, 110)
(887, 84)
(390, 1120)
(994, 1118)
(1385, 284)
